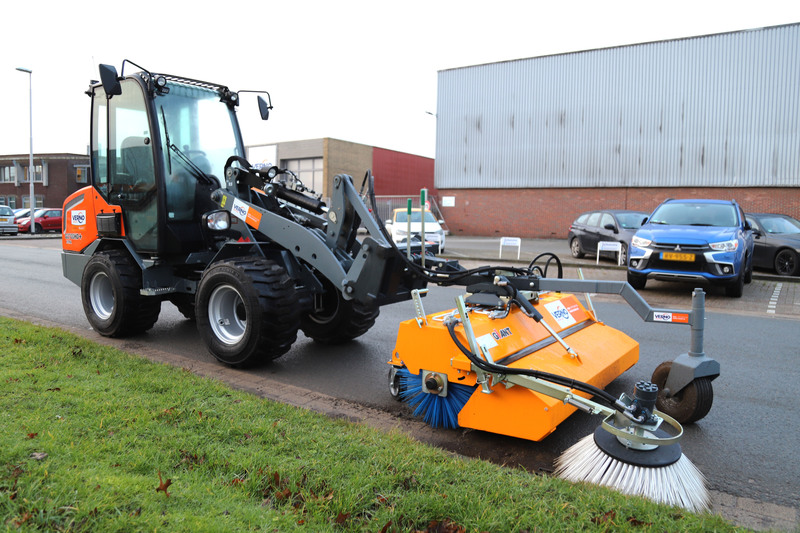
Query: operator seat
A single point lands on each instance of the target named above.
(137, 159)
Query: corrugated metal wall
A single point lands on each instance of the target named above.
(716, 111)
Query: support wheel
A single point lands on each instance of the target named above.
(636, 281)
(336, 320)
(689, 405)
(110, 293)
(786, 263)
(395, 384)
(247, 311)
(575, 248)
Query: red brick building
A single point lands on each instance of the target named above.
(55, 177)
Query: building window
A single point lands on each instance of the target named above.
(309, 171)
(8, 174)
(81, 173)
(10, 201)
(38, 199)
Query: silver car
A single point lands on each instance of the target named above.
(7, 226)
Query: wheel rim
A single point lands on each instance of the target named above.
(227, 314)
(576, 248)
(101, 296)
(784, 263)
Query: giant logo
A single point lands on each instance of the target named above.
(78, 217)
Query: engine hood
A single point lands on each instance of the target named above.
(692, 235)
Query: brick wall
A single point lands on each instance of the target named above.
(547, 213)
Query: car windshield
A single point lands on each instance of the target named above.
(38, 212)
(630, 220)
(5, 211)
(780, 225)
(402, 216)
(695, 214)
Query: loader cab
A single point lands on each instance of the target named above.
(159, 145)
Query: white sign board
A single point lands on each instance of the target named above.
(510, 241)
(609, 246)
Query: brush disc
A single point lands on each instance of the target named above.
(661, 456)
(438, 411)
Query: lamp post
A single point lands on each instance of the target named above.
(30, 161)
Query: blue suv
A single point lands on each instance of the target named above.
(689, 240)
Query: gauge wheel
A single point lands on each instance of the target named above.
(575, 248)
(110, 292)
(247, 311)
(786, 262)
(336, 320)
(396, 385)
(690, 404)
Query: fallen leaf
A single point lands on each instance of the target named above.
(605, 518)
(638, 523)
(342, 517)
(38, 456)
(32, 435)
(163, 485)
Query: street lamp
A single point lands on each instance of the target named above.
(30, 161)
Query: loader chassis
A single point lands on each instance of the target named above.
(175, 213)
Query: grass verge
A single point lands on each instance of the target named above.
(94, 439)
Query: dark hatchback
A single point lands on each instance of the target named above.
(777, 242)
(611, 225)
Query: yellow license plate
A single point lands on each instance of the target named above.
(5, 219)
(675, 256)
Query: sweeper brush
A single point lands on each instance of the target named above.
(517, 356)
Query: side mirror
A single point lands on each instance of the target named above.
(263, 108)
(611, 227)
(110, 80)
(388, 222)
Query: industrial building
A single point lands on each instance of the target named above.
(524, 146)
(55, 177)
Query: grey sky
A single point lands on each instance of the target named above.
(362, 71)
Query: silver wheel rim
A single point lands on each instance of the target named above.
(101, 296)
(226, 314)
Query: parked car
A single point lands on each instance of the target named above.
(21, 212)
(47, 219)
(7, 226)
(594, 227)
(777, 242)
(688, 240)
(398, 227)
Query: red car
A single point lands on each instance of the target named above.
(47, 219)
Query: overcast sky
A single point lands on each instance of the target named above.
(361, 71)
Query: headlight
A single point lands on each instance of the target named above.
(725, 246)
(640, 242)
(218, 220)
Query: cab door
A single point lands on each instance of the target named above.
(123, 161)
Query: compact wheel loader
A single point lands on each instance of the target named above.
(175, 213)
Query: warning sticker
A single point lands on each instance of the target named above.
(560, 313)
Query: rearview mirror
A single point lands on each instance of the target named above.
(263, 108)
(109, 78)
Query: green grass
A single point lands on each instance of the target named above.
(86, 431)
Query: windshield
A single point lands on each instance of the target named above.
(780, 225)
(402, 216)
(199, 126)
(630, 220)
(695, 214)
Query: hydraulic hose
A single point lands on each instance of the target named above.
(599, 393)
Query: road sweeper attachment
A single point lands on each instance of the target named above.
(517, 356)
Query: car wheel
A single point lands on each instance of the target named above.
(786, 262)
(636, 281)
(736, 289)
(38, 228)
(748, 273)
(622, 255)
(575, 248)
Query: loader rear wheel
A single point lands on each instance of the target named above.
(336, 320)
(110, 293)
(247, 311)
(690, 404)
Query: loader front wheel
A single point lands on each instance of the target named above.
(690, 404)
(247, 311)
(336, 320)
(111, 299)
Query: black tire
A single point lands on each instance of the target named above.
(38, 228)
(636, 281)
(736, 289)
(575, 248)
(689, 405)
(338, 320)
(110, 293)
(748, 273)
(396, 387)
(786, 263)
(247, 311)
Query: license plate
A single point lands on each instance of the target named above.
(675, 256)
(5, 219)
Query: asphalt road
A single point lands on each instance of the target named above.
(745, 446)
